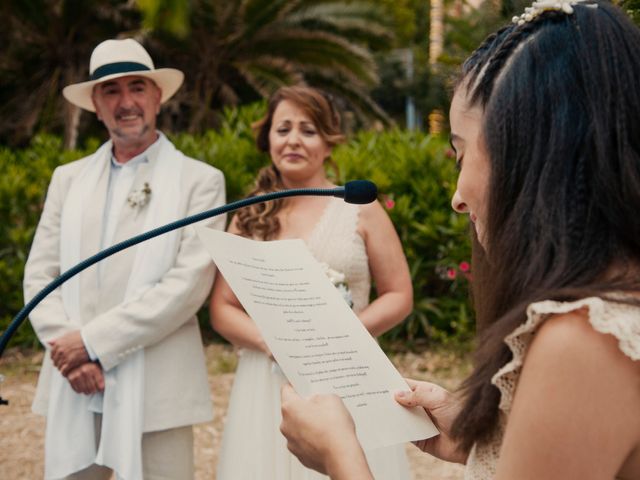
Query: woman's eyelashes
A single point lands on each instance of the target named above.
(308, 132)
(457, 154)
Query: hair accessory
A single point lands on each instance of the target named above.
(541, 6)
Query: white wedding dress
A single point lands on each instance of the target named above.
(252, 446)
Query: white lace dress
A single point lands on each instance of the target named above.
(620, 320)
(252, 446)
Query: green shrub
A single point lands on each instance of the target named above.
(231, 149)
(416, 179)
(413, 173)
(24, 177)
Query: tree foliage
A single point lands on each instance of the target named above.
(414, 172)
(632, 7)
(242, 50)
(46, 45)
(232, 52)
(429, 84)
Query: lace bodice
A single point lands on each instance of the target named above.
(620, 320)
(336, 242)
(252, 446)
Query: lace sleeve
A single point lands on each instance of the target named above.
(617, 319)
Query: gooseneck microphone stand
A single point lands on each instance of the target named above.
(356, 191)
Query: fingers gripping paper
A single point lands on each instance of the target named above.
(319, 343)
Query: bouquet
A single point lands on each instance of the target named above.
(339, 281)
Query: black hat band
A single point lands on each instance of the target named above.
(117, 67)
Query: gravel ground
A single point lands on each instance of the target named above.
(21, 432)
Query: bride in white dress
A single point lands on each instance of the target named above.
(356, 243)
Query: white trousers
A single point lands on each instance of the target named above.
(166, 455)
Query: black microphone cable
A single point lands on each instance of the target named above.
(355, 191)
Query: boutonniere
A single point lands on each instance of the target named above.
(339, 281)
(139, 198)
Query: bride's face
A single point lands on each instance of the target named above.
(297, 148)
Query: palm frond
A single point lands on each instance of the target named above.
(257, 14)
(353, 96)
(319, 49)
(357, 21)
(268, 74)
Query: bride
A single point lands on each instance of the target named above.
(357, 244)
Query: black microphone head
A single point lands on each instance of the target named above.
(360, 191)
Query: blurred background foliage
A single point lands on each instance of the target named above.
(632, 7)
(233, 52)
(376, 57)
(372, 55)
(413, 170)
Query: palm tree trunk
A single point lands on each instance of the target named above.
(71, 124)
(436, 33)
(436, 45)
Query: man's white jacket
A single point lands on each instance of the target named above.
(162, 321)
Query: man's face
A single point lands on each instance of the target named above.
(128, 107)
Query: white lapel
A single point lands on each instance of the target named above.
(91, 234)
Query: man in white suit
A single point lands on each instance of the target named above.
(124, 378)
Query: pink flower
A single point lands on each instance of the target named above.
(464, 266)
(388, 202)
(451, 273)
(449, 153)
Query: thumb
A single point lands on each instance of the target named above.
(423, 394)
(288, 394)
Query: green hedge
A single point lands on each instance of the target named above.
(416, 177)
(413, 172)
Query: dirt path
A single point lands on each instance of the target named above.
(21, 432)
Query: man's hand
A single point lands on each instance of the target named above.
(68, 352)
(87, 378)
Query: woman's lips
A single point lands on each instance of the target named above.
(293, 156)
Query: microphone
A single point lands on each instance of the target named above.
(355, 191)
(360, 191)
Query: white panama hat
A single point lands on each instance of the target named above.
(119, 58)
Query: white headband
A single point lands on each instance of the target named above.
(541, 6)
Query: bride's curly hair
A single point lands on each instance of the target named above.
(260, 220)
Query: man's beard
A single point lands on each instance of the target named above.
(131, 135)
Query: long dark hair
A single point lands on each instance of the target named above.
(261, 221)
(562, 130)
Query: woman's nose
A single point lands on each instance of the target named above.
(293, 138)
(457, 203)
